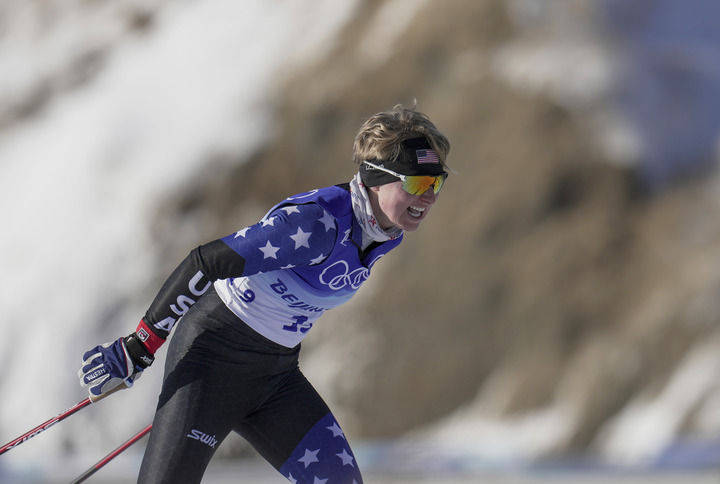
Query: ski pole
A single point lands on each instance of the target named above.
(46, 425)
(112, 455)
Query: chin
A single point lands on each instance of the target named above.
(410, 227)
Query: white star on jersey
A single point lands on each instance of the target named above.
(269, 251)
(328, 221)
(291, 209)
(241, 233)
(269, 221)
(301, 238)
(317, 259)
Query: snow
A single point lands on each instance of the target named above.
(388, 25)
(81, 180)
(517, 438)
(649, 424)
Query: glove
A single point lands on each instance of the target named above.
(107, 366)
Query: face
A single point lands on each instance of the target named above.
(400, 209)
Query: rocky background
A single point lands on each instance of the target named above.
(547, 275)
(552, 283)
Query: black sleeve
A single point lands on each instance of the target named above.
(204, 265)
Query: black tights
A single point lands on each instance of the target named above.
(220, 375)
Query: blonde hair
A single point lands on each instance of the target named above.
(381, 136)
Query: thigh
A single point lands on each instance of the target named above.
(191, 419)
(198, 403)
(186, 431)
(217, 371)
(295, 431)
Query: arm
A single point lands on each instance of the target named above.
(190, 280)
(291, 236)
(107, 366)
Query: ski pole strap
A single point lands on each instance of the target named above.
(94, 398)
(139, 354)
(92, 470)
(147, 336)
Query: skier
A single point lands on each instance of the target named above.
(247, 300)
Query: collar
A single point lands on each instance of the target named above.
(370, 230)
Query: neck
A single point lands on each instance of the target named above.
(383, 221)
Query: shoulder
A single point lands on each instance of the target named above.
(311, 212)
(334, 199)
(299, 210)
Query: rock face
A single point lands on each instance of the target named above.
(542, 275)
(544, 278)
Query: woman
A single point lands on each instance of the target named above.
(248, 299)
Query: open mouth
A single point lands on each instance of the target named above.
(415, 212)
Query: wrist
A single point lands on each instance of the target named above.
(139, 354)
(148, 338)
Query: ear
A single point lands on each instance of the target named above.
(375, 188)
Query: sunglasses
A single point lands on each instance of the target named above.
(415, 184)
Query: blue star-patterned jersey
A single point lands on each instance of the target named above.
(301, 259)
(278, 275)
(287, 237)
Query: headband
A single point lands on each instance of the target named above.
(416, 158)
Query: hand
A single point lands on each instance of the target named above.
(107, 366)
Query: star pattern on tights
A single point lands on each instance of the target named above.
(309, 457)
(324, 457)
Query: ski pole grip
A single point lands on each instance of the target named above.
(94, 398)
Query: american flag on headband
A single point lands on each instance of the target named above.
(426, 156)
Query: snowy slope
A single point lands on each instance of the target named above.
(80, 177)
(108, 108)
